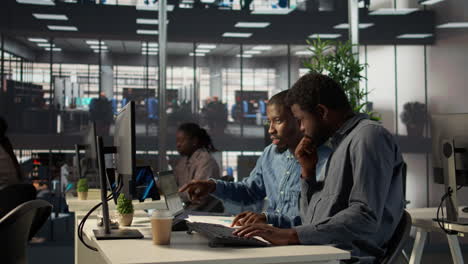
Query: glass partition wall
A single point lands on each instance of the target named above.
(223, 87)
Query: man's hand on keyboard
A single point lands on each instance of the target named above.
(198, 189)
(248, 217)
(274, 235)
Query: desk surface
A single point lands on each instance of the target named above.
(194, 248)
(75, 205)
(422, 217)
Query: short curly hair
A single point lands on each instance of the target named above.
(313, 89)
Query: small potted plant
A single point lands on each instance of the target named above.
(124, 210)
(414, 117)
(82, 189)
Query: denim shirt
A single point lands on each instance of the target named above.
(276, 179)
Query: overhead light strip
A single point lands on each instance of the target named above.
(429, 2)
(393, 11)
(37, 40)
(361, 26)
(147, 32)
(236, 35)
(278, 11)
(252, 24)
(325, 36)
(454, 25)
(36, 2)
(62, 28)
(414, 36)
(50, 16)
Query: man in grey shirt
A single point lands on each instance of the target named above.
(360, 203)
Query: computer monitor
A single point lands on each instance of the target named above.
(450, 157)
(124, 143)
(89, 145)
(124, 150)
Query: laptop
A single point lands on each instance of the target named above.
(168, 186)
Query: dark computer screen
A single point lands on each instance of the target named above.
(145, 185)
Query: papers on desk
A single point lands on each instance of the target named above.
(219, 220)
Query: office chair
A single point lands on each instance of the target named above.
(397, 242)
(14, 195)
(18, 226)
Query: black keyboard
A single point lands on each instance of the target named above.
(220, 235)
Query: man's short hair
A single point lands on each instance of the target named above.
(313, 89)
(279, 98)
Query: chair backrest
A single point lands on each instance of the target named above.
(16, 228)
(14, 195)
(396, 244)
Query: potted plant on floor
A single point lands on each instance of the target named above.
(82, 189)
(124, 210)
(336, 59)
(414, 117)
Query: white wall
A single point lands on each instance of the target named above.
(447, 87)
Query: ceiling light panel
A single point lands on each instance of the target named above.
(393, 11)
(38, 40)
(278, 11)
(150, 44)
(97, 47)
(94, 42)
(62, 28)
(454, 25)
(147, 32)
(197, 54)
(304, 53)
(206, 46)
(361, 26)
(414, 36)
(429, 2)
(236, 35)
(252, 24)
(44, 45)
(244, 55)
(325, 36)
(36, 2)
(50, 16)
(54, 49)
(253, 52)
(146, 21)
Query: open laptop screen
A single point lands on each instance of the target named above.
(168, 186)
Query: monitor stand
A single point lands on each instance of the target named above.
(106, 233)
(101, 234)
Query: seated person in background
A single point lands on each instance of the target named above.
(10, 172)
(360, 203)
(276, 176)
(195, 146)
(43, 191)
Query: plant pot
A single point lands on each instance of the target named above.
(125, 219)
(82, 195)
(415, 130)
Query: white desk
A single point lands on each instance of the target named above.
(194, 249)
(81, 207)
(75, 205)
(422, 221)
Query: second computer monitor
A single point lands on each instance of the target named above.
(452, 127)
(124, 142)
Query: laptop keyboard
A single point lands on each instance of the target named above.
(220, 235)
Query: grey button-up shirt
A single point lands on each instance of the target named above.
(360, 203)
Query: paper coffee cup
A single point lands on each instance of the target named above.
(161, 227)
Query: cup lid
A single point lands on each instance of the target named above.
(162, 213)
